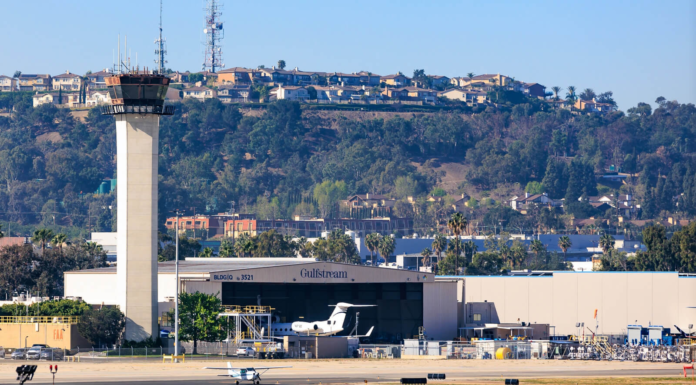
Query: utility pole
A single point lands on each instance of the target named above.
(176, 300)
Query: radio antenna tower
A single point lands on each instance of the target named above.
(161, 49)
(213, 36)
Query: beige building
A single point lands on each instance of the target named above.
(301, 289)
(292, 93)
(29, 82)
(7, 84)
(563, 299)
(200, 93)
(56, 332)
(67, 82)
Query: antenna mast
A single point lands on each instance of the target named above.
(161, 47)
(214, 34)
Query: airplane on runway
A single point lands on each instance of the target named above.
(332, 326)
(246, 374)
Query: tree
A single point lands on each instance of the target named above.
(439, 245)
(59, 240)
(42, 237)
(281, 64)
(17, 74)
(271, 244)
(570, 96)
(426, 253)
(564, 243)
(103, 326)
(244, 245)
(470, 250)
(387, 245)
(457, 224)
(372, 242)
(226, 249)
(199, 318)
(556, 90)
(327, 194)
(587, 94)
(337, 247)
(470, 75)
(606, 242)
(537, 247)
(207, 253)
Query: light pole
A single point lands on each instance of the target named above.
(176, 299)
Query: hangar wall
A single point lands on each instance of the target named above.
(562, 300)
(94, 288)
(440, 310)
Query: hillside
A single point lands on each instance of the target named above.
(271, 162)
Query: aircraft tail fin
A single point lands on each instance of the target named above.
(369, 332)
(230, 372)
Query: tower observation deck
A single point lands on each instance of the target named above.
(137, 102)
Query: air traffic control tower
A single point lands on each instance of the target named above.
(137, 101)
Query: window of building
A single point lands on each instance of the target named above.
(477, 317)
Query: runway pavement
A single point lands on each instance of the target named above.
(311, 372)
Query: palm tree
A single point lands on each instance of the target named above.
(281, 64)
(387, 245)
(243, 245)
(570, 96)
(537, 247)
(226, 249)
(59, 240)
(207, 252)
(426, 253)
(470, 249)
(372, 243)
(556, 90)
(470, 75)
(606, 242)
(587, 94)
(439, 245)
(42, 237)
(564, 243)
(457, 224)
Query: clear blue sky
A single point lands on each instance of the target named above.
(638, 49)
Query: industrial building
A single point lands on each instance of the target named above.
(301, 290)
(564, 299)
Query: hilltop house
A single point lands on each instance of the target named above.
(7, 84)
(200, 93)
(35, 83)
(523, 204)
(291, 93)
(234, 93)
(67, 82)
(396, 80)
(593, 106)
(97, 80)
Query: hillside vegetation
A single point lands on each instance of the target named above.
(284, 162)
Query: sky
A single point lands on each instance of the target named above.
(638, 49)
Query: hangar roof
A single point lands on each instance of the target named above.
(207, 265)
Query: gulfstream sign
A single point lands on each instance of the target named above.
(319, 273)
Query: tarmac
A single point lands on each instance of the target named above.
(344, 371)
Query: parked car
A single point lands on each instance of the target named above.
(246, 351)
(19, 354)
(52, 354)
(165, 333)
(34, 353)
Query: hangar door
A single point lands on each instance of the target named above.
(398, 314)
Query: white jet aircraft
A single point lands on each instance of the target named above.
(329, 327)
(246, 374)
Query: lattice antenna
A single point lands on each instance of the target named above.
(161, 47)
(214, 33)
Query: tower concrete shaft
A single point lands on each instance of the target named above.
(137, 138)
(137, 103)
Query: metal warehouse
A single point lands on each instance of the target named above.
(564, 299)
(302, 290)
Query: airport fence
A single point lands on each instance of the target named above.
(379, 351)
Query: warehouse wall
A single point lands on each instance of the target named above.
(94, 288)
(440, 310)
(621, 299)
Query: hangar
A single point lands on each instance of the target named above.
(302, 289)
